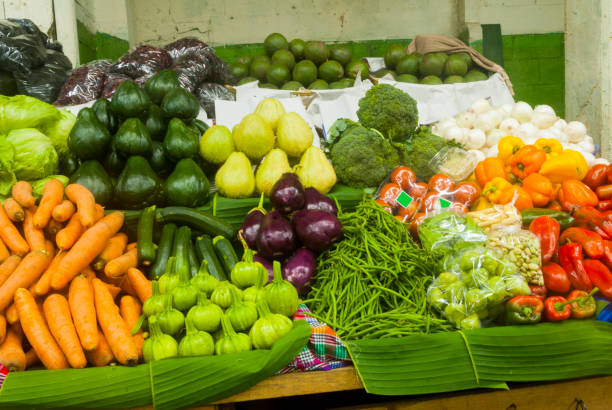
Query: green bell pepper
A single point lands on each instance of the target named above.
(524, 310)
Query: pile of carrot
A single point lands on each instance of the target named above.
(70, 287)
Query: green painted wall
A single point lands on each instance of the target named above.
(99, 45)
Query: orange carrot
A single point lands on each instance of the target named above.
(63, 211)
(11, 236)
(113, 326)
(98, 212)
(85, 203)
(11, 314)
(120, 265)
(71, 232)
(112, 289)
(131, 246)
(102, 355)
(43, 285)
(11, 352)
(59, 320)
(83, 309)
(4, 252)
(52, 195)
(8, 267)
(114, 248)
(2, 328)
(126, 286)
(131, 310)
(27, 272)
(31, 358)
(34, 237)
(85, 250)
(22, 193)
(52, 228)
(50, 249)
(140, 283)
(37, 332)
(13, 210)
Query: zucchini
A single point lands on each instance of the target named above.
(193, 260)
(226, 254)
(198, 220)
(146, 247)
(180, 249)
(205, 251)
(565, 220)
(164, 251)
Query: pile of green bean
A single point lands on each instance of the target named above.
(373, 283)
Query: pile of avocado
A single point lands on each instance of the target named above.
(299, 64)
(431, 68)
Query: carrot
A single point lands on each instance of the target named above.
(11, 236)
(70, 233)
(126, 286)
(98, 212)
(8, 267)
(120, 265)
(63, 211)
(13, 210)
(37, 332)
(2, 328)
(4, 252)
(34, 237)
(11, 314)
(31, 358)
(131, 310)
(113, 326)
(52, 228)
(85, 203)
(22, 193)
(131, 245)
(52, 195)
(11, 352)
(114, 248)
(85, 250)
(102, 355)
(88, 273)
(113, 290)
(27, 272)
(57, 314)
(43, 285)
(83, 309)
(142, 285)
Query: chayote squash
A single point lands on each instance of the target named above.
(159, 84)
(92, 175)
(88, 139)
(158, 160)
(155, 123)
(102, 108)
(187, 185)
(138, 186)
(180, 141)
(132, 139)
(180, 103)
(130, 100)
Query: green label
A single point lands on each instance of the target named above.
(444, 203)
(404, 199)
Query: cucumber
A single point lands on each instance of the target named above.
(565, 220)
(205, 251)
(225, 252)
(180, 249)
(146, 247)
(193, 260)
(197, 220)
(164, 251)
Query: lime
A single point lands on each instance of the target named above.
(316, 51)
(341, 53)
(393, 55)
(284, 57)
(356, 66)
(275, 41)
(296, 46)
(278, 74)
(305, 72)
(331, 71)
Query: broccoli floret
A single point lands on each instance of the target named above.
(390, 111)
(362, 158)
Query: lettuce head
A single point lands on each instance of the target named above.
(22, 111)
(7, 162)
(35, 156)
(59, 130)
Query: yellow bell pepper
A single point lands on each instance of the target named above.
(551, 146)
(480, 204)
(507, 146)
(569, 164)
(495, 188)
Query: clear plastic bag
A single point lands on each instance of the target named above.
(522, 248)
(497, 216)
(45, 82)
(207, 93)
(142, 61)
(455, 162)
(192, 70)
(448, 232)
(187, 46)
(84, 84)
(111, 83)
(22, 53)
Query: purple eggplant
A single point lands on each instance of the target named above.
(266, 264)
(287, 194)
(317, 230)
(276, 239)
(300, 269)
(250, 227)
(316, 201)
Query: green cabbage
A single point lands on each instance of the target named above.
(35, 156)
(59, 130)
(22, 111)
(39, 185)
(7, 162)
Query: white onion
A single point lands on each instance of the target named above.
(560, 123)
(601, 161)
(492, 151)
(526, 130)
(494, 136)
(522, 112)
(442, 126)
(545, 109)
(587, 146)
(575, 130)
(455, 133)
(484, 121)
(480, 106)
(590, 158)
(465, 119)
(529, 140)
(588, 138)
(506, 109)
(496, 117)
(475, 139)
(543, 120)
(547, 133)
(509, 126)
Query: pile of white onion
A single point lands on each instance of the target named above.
(480, 128)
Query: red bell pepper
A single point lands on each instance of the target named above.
(590, 218)
(591, 242)
(547, 230)
(600, 276)
(604, 192)
(583, 304)
(556, 308)
(524, 310)
(604, 205)
(596, 176)
(539, 291)
(555, 278)
(570, 256)
(607, 258)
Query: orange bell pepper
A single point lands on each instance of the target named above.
(527, 160)
(488, 169)
(539, 188)
(574, 194)
(516, 196)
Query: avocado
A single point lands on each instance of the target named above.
(180, 103)
(407, 78)
(132, 139)
(138, 186)
(259, 68)
(180, 141)
(158, 160)
(292, 85)
(160, 83)
(408, 64)
(431, 64)
(278, 74)
(393, 54)
(88, 139)
(245, 59)
(238, 70)
(331, 71)
(316, 51)
(129, 100)
(455, 65)
(318, 85)
(187, 185)
(92, 175)
(431, 80)
(113, 163)
(284, 57)
(467, 58)
(475, 75)
(155, 123)
(452, 79)
(348, 82)
(296, 46)
(337, 85)
(105, 115)
(275, 41)
(341, 53)
(305, 72)
(357, 66)
(246, 80)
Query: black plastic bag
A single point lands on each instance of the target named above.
(22, 53)
(10, 28)
(84, 84)
(192, 70)
(112, 82)
(30, 28)
(8, 86)
(45, 82)
(207, 93)
(144, 60)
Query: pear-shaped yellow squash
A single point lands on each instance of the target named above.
(315, 170)
(274, 165)
(293, 134)
(253, 136)
(270, 109)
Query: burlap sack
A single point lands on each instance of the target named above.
(433, 43)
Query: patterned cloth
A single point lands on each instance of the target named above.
(3, 373)
(324, 351)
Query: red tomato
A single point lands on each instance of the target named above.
(418, 190)
(466, 192)
(408, 212)
(400, 218)
(404, 177)
(430, 201)
(441, 183)
(458, 207)
(385, 205)
(414, 225)
(389, 192)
